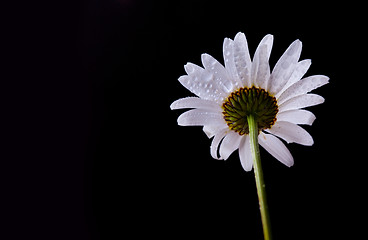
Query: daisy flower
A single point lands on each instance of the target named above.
(227, 95)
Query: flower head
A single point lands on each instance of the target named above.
(226, 95)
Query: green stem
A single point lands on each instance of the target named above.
(261, 190)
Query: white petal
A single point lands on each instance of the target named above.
(284, 67)
(221, 77)
(228, 51)
(291, 132)
(191, 68)
(303, 86)
(199, 117)
(301, 101)
(267, 41)
(300, 69)
(260, 66)
(229, 144)
(242, 58)
(297, 116)
(216, 141)
(200, 82)
(194, 102)
(245, 154)
(194, 83)
(276, 148)
(211, 130)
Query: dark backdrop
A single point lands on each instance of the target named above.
(91, 149)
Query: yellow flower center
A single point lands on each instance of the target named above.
(246, 101)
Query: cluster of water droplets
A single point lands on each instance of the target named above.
(211, 82)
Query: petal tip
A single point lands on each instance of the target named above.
(290, 164)
(269, 36)
(248, 169)
(239, 37)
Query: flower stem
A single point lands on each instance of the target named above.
(261, 190)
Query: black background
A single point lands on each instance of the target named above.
(91, 149)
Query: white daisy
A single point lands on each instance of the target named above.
(226, 95)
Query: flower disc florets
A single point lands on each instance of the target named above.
(246, 101)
